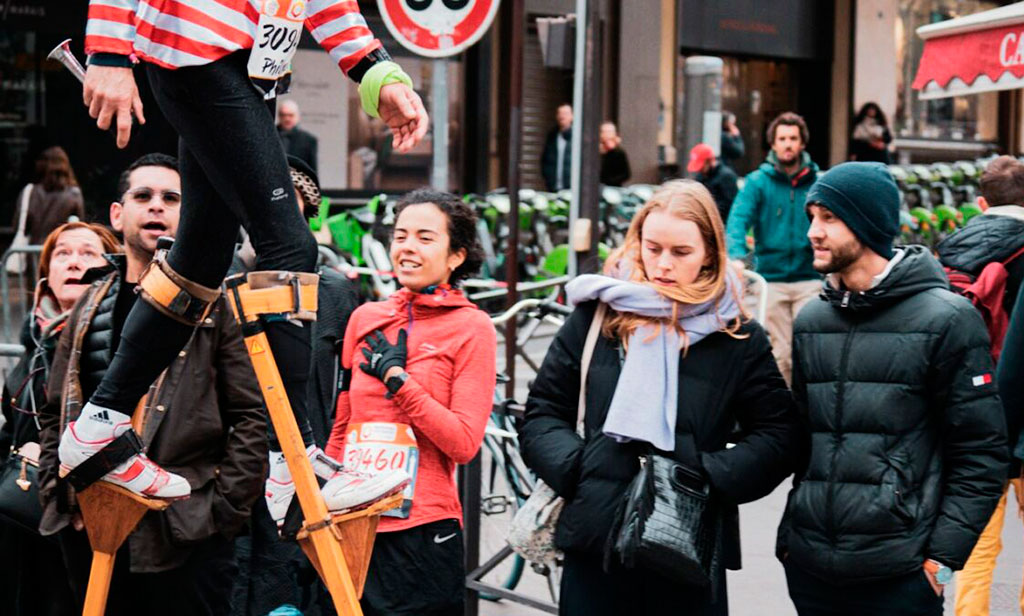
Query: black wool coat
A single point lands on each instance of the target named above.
(723, 382)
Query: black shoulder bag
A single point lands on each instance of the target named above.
(667, 523)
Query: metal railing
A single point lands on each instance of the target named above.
(29, 276)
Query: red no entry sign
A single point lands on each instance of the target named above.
(438, 28)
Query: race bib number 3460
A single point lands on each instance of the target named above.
(380, 447)
(277, 37)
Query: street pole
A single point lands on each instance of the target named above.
(515, 140)
(584, 213)
(439, 94)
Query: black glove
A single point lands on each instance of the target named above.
(382, 355)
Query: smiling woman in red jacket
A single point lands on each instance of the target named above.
(420, 402)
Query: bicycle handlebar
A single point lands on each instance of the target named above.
(516, 308)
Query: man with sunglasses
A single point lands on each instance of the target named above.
(203, 420)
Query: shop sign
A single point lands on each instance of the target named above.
(777, 29)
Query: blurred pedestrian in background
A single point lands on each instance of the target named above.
(297, 142)
(771, 207)
(556, 160)
(51, 199)
(871, 137)
(716, 177)
(614, 162)
(732, 141)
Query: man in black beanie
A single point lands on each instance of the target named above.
(906, 449)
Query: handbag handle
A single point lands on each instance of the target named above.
(588, 354)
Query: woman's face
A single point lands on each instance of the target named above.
(672, 249)
(420, 247)
(76, 251)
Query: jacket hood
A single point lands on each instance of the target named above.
(916, 272)
(985, 239)
(807, 173)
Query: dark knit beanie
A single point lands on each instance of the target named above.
(865, 197)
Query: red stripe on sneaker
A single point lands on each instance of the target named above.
(132, 472)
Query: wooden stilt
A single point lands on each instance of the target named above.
(322, 539)
(356, 531)
(110, 514)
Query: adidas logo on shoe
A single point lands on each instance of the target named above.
(102, 417)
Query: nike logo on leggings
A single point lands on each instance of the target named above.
(440, 539)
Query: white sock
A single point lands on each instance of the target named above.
(95, 424)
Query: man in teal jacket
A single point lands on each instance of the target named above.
(772, 205)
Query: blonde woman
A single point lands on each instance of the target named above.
(678, 366)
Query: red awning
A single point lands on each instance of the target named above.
(976, 53)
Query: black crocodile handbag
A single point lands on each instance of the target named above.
(667, 523)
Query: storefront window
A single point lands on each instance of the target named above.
(21, 96)
(959, 118)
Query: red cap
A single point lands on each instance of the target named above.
(700, 154)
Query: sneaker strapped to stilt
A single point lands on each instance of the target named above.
(98, 431)
(344, 490)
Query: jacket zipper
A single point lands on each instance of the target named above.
(837, 436)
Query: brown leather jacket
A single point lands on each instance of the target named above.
(204, 420)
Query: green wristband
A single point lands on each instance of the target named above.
(378, 76)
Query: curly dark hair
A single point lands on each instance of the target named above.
(788, 118)
(461, 227)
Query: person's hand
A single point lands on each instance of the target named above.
(77, 522)
(935, 585)
(109, 92)
(402, 110)
(382, 356)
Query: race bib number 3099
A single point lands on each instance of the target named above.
(277, 37)
(380, 447)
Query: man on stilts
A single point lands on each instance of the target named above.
(215, 67)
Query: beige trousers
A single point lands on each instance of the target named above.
(785, 299)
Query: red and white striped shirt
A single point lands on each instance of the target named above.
(177, 33)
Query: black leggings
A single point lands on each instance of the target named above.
(233, 172)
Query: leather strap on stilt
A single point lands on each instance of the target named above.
(292, 295)
(104, 460)
(177, 297)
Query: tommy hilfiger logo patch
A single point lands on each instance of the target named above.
(982, 379)
(102, 417)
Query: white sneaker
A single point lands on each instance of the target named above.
(94, 429)
(351, 490)
(344, 490)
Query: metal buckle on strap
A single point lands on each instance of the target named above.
(105, 460)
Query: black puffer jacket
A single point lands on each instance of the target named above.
(986, 239)
(907, 439)
(722, 381)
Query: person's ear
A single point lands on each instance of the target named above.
(983, 203)
(116, 212)
(455, 259)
